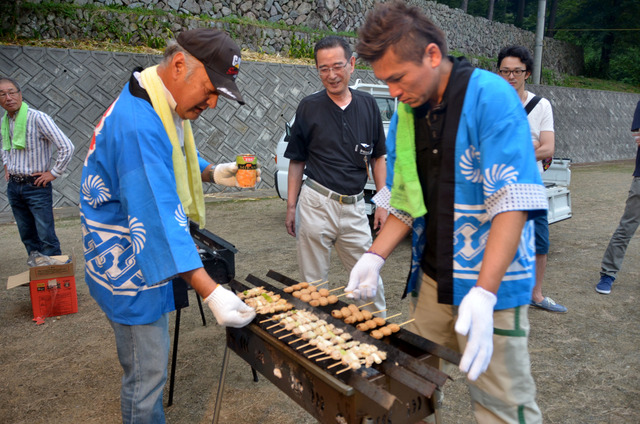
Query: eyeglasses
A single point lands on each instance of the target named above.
(5, 94)
(326, 70)
(516, 72)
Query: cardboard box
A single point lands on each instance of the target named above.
(52, 288)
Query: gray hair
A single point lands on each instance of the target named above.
(173, 48)
(12, 81)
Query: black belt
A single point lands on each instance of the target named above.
(343, 199)
(22, 179)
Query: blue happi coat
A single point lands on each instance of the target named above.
(135, 232)
(489, 168)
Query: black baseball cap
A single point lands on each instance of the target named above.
(220, 56)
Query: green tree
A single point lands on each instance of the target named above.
(608, 31)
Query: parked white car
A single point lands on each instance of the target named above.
(556, 179)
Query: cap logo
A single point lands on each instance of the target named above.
(235, 66)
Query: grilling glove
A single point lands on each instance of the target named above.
(363, 281)
(228, 309)
(225, 174)
(475, 318)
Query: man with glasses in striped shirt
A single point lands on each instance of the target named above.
(28, 136)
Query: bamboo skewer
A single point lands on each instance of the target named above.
(393, 316)
(343, 294)
(407, 322)
(381, 310)
(316, 354)
(304, 345)
(343, 370)
(324, 358)
(271, 326)
(285, 336)
(277, 331)
(334, 365)
(324, 282)
(296, 340)
(265, 320)
(367, 304)
(332, 290)
(310, 350)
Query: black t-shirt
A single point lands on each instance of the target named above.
(429, 123)
(334, 143)
(428, 126)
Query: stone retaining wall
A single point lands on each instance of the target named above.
(75, 87)
(470, 35)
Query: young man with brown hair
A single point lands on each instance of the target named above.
(464, 160)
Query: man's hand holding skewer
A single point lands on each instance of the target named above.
(363, 281)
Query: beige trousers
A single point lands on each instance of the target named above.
(323, 223)
(506, 392)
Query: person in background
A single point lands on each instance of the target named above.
(613, 256)
(515, 65)
(337, 133)
(141, 183)
(28, 136)
(464, 161)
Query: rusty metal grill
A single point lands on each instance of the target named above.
(399, 390)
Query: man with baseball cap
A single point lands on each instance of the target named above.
(141, 183)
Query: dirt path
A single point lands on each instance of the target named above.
(586, 363)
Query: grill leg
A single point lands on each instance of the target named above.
(204, 322)
(223, 375)
(255, 375)
(174, 357)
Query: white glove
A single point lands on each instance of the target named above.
(225, 174)
(363, 281)
(475, 318)
(228, 309)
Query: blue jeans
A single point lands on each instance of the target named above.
(32, 208)
(143, 351)
(541, 226)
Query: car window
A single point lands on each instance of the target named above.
(387, 107)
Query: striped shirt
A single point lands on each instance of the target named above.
(41, 134)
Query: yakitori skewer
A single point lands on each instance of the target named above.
(407, 322)
(389, 329)
(285, 336)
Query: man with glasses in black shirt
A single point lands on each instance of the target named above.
(337, 133)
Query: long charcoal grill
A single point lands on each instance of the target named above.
(400, 390)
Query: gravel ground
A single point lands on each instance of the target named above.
(585, 363)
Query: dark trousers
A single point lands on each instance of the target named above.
(32, 208)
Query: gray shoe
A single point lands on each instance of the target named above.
(550, 305)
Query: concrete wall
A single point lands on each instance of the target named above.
(75, 87)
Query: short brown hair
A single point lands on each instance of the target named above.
(405, 29)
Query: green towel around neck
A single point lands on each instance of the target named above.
(19, 129)
(406, 193)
